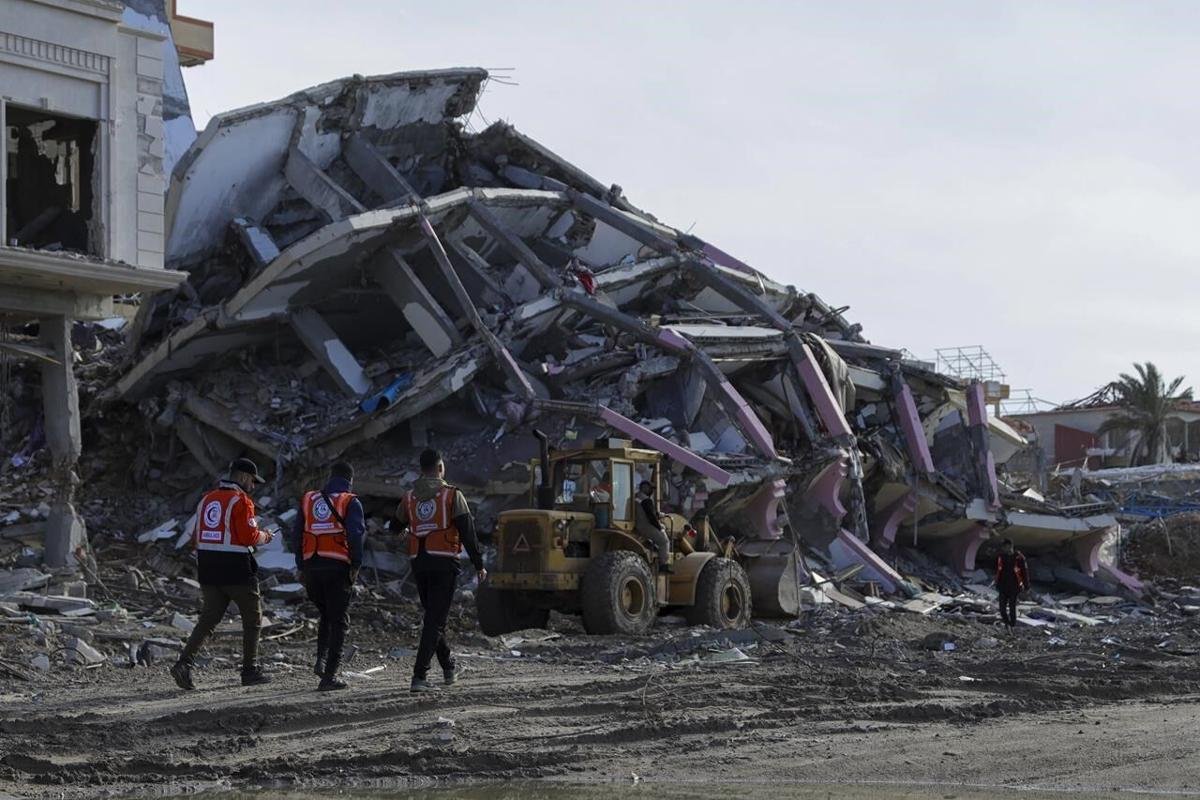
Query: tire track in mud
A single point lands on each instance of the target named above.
(543, 717)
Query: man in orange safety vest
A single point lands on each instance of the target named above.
(439, 525)
(225, 536)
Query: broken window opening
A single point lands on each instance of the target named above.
(49, 192)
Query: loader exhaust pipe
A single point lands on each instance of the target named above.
(545, 490)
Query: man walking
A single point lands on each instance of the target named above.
(328, 542)
(1012, 578)
(439, 525)
(225, 536)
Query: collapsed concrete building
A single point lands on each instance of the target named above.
(367, 276)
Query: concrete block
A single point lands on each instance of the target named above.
(154, 126)
(150, 201)
(148, 67)
(81, 653)
(257, 240)
(150, 222)
(151, 242)
(150, 48)
(149, 181)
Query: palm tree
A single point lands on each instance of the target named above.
(1145, 400)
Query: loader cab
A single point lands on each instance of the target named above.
(602, 480)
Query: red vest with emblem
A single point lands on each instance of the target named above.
(323, 535)
(432, 521)
(214, 531)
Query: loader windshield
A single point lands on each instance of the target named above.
(579, 484)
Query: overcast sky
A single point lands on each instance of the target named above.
(1017, 175)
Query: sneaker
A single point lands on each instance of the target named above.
(331, 684)
(254, 677)
(420, 685)
(319, 667)
(182, 673)
(450, 676)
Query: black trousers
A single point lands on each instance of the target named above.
(436, 589)
(215, 599)
(1008, 607)
(329, 590)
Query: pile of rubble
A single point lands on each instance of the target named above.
(1165, 548)
(368, 277)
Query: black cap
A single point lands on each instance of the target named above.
(342, 469)
(247, 466)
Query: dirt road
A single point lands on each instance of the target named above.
(843, 699)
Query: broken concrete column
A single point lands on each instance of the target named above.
(60, 403)
(514, 245)
(60, 397)
(518, 380)
(321, 191)
(426, 316)
(910, 425)
(376, 171)
(65, 531)
(330, 352)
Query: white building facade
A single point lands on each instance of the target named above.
(82, 178)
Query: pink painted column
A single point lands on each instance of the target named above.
(959, 551)
(887, 522)
(763, 510)
(977, 419)
(1087, 551)
(825, 490)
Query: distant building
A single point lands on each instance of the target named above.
(93, 114)
(1069, 436)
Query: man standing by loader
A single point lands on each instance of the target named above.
(1012, 578)
(439, 525)
(225, 536)
(328, 542)
(648, 523)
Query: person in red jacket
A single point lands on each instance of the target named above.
(225, 536)
(1012, 578)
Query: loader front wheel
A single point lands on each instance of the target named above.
(722, 596)
(502, 612)
(618, 595)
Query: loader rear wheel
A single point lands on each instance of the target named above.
(618, 595)
(503, 612)
(722, 596)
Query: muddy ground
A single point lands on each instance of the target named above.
(840, 697)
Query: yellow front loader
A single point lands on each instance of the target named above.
(577, 550)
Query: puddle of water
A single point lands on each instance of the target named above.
(683, 791)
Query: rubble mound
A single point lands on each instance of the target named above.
(1166, 548)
